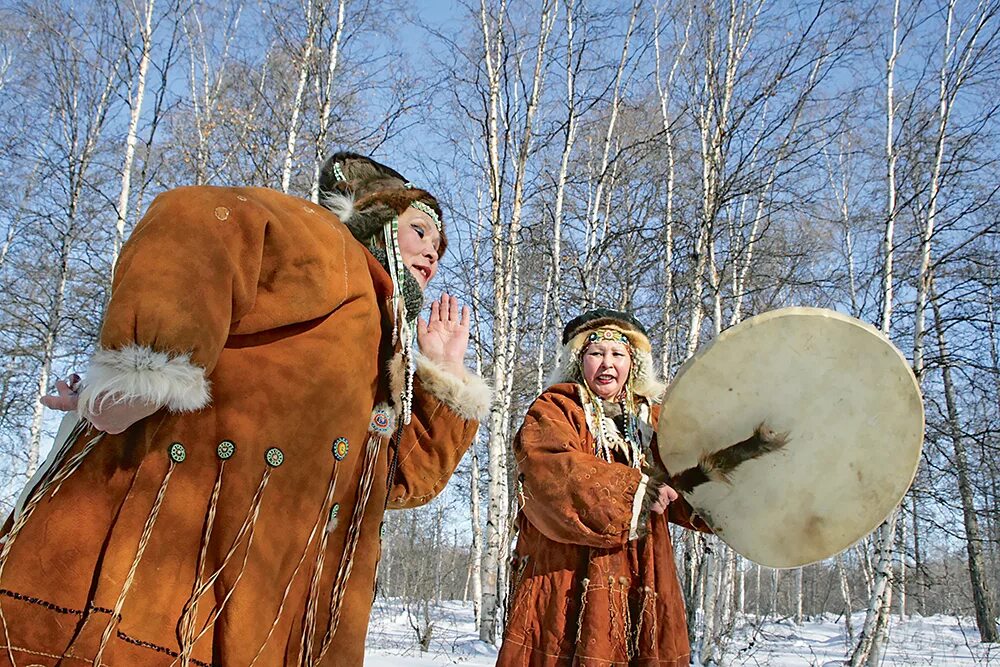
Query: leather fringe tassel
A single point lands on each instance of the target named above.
(372, 446)
(147, 531)
(57, 478)
(246, 532)
(312, 598)
(583, 607)
(189, 615)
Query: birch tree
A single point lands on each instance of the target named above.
(83, 94)
(312, 17)
(143, 16)
(324, 87)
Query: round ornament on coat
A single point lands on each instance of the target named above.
(854, 419)
(177, 452)
(226, 449)
(340, 447)
(274, 457)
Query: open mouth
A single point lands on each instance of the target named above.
(422, 272)
(605, 378)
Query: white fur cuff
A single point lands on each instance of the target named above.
(469, 396)
(136, 372)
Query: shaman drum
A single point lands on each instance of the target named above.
(852, 411)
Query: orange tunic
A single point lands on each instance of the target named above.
(215, 531)
(583, 593)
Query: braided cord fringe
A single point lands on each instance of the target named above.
(353, 536)
(189, 616)
(147, 532)
(648, 597)
(312, 597)
(44, 485)
(246, 532)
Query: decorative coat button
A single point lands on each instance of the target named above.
(274, 457)
(177, 452)
(222, 213)
(381, 422)
(226, 449)
(340, 449)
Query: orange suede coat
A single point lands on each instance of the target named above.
(583, 593)
(214, 531)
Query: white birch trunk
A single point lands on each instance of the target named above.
(799, 594)
(759, 594)
(305, 63)
(982, 599)
(132, 136)
(665, 93)
(326, 99)
(775, 581)
(845, 594)
(901, 587)
(890, 162)
(476, 557)
(707, 648)
(572, 61)
(742, 604)
(497, 520)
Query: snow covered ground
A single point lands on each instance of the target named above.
(934, 641)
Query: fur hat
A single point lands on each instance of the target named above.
(646, 381)
(365, 194)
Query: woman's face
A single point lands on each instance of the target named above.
(418, 244)
(606, 365)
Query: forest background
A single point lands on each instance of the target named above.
(694, 162)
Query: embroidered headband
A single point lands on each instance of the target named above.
(431, 213)
(612, 335)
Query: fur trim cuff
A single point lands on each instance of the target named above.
(136, 372)
(468, 396)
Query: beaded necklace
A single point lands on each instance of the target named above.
(605, 438)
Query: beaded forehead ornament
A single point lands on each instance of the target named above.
(612, 335)
(431, 213)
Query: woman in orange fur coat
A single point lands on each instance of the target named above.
(253, 408)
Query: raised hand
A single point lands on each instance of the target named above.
(445, 337)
